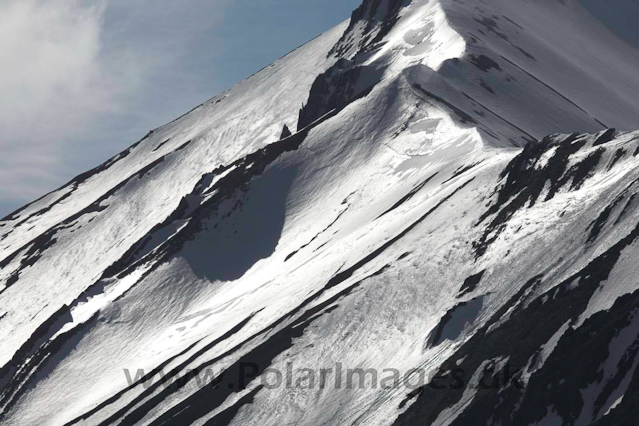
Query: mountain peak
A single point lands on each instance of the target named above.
(369, 24)
(484, 58)
(450, 218)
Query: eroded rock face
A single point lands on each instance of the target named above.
(369, 24)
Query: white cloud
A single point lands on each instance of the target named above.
(49, 64)
(81, 79)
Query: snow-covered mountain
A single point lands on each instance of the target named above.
(443, 189)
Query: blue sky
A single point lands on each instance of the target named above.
(618, 15)
(81, 80)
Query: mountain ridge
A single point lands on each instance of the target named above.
(413, 215)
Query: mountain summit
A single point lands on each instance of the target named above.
(426, 215)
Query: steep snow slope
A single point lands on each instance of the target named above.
(409, 220)
(159, 170)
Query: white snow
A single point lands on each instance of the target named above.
(387, 194)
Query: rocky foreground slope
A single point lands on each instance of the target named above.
(427, 215)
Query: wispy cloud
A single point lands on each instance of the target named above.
(49, 71)
(72, 70)
(83, 79)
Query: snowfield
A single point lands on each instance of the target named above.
(445, 189)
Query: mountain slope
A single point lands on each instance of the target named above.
(419, 217)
